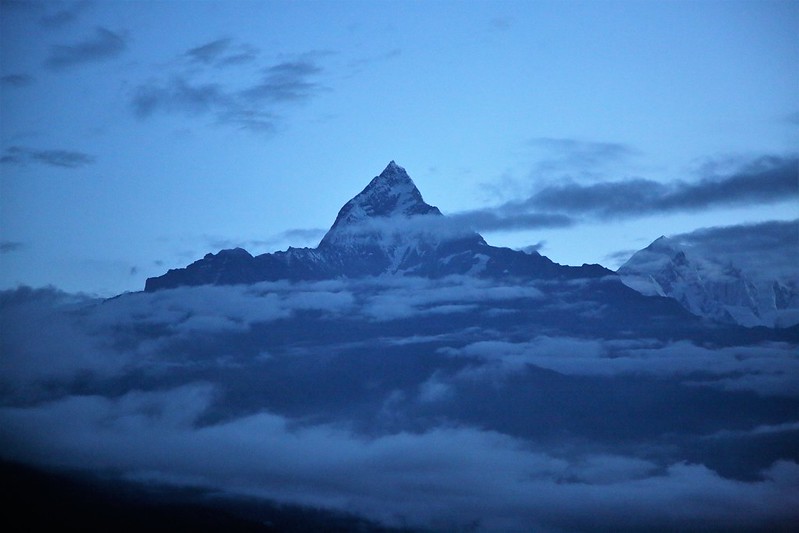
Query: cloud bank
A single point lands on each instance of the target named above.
(446, 404)
(766, 180)
(473, 474)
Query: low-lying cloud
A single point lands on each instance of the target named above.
(768, 368)
(447, 404)
(447, 478)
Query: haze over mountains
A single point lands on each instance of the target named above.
(408, 372)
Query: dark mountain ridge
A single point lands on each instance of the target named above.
(386, 229)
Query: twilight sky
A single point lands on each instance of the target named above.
(138, 136)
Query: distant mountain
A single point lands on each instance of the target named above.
(386, 229)
(712, 287)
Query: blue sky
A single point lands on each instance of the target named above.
(138, 136)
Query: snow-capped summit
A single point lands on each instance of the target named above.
(392, 194)
(389, 228)
(710, 286)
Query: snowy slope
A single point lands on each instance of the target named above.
(388, 225)
(712, 287)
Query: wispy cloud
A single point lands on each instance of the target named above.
(502, 219)
(540, 245)
(65, 13)
(308, 234)
(577, 157)
(577, 152)
(253, 106)
(16, 80)
(358, 64)
(20, 155)
(501, 23)
(457, 225)
(556, 159)
(11, 246)
(287, 81)
(209, 52)
(293, 237)
(221, 52)
(103, 45)
(178, 96)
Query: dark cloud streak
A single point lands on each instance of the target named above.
(291, 235)
(218, 53)
(16, 80)
(767, 180)
(289, 81)
(19, 155)
(755, 238)
(62, 17)
(209, 52)
(11, 246)
(101, 46)
(178, 95)
(504, 220)
(579, 151)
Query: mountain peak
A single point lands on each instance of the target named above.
(394, 178)
(390, 194)
(393, 166)
(387, 228)
(663, 245)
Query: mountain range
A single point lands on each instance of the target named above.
(712, 286)
(388, 229)
(406, 374)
